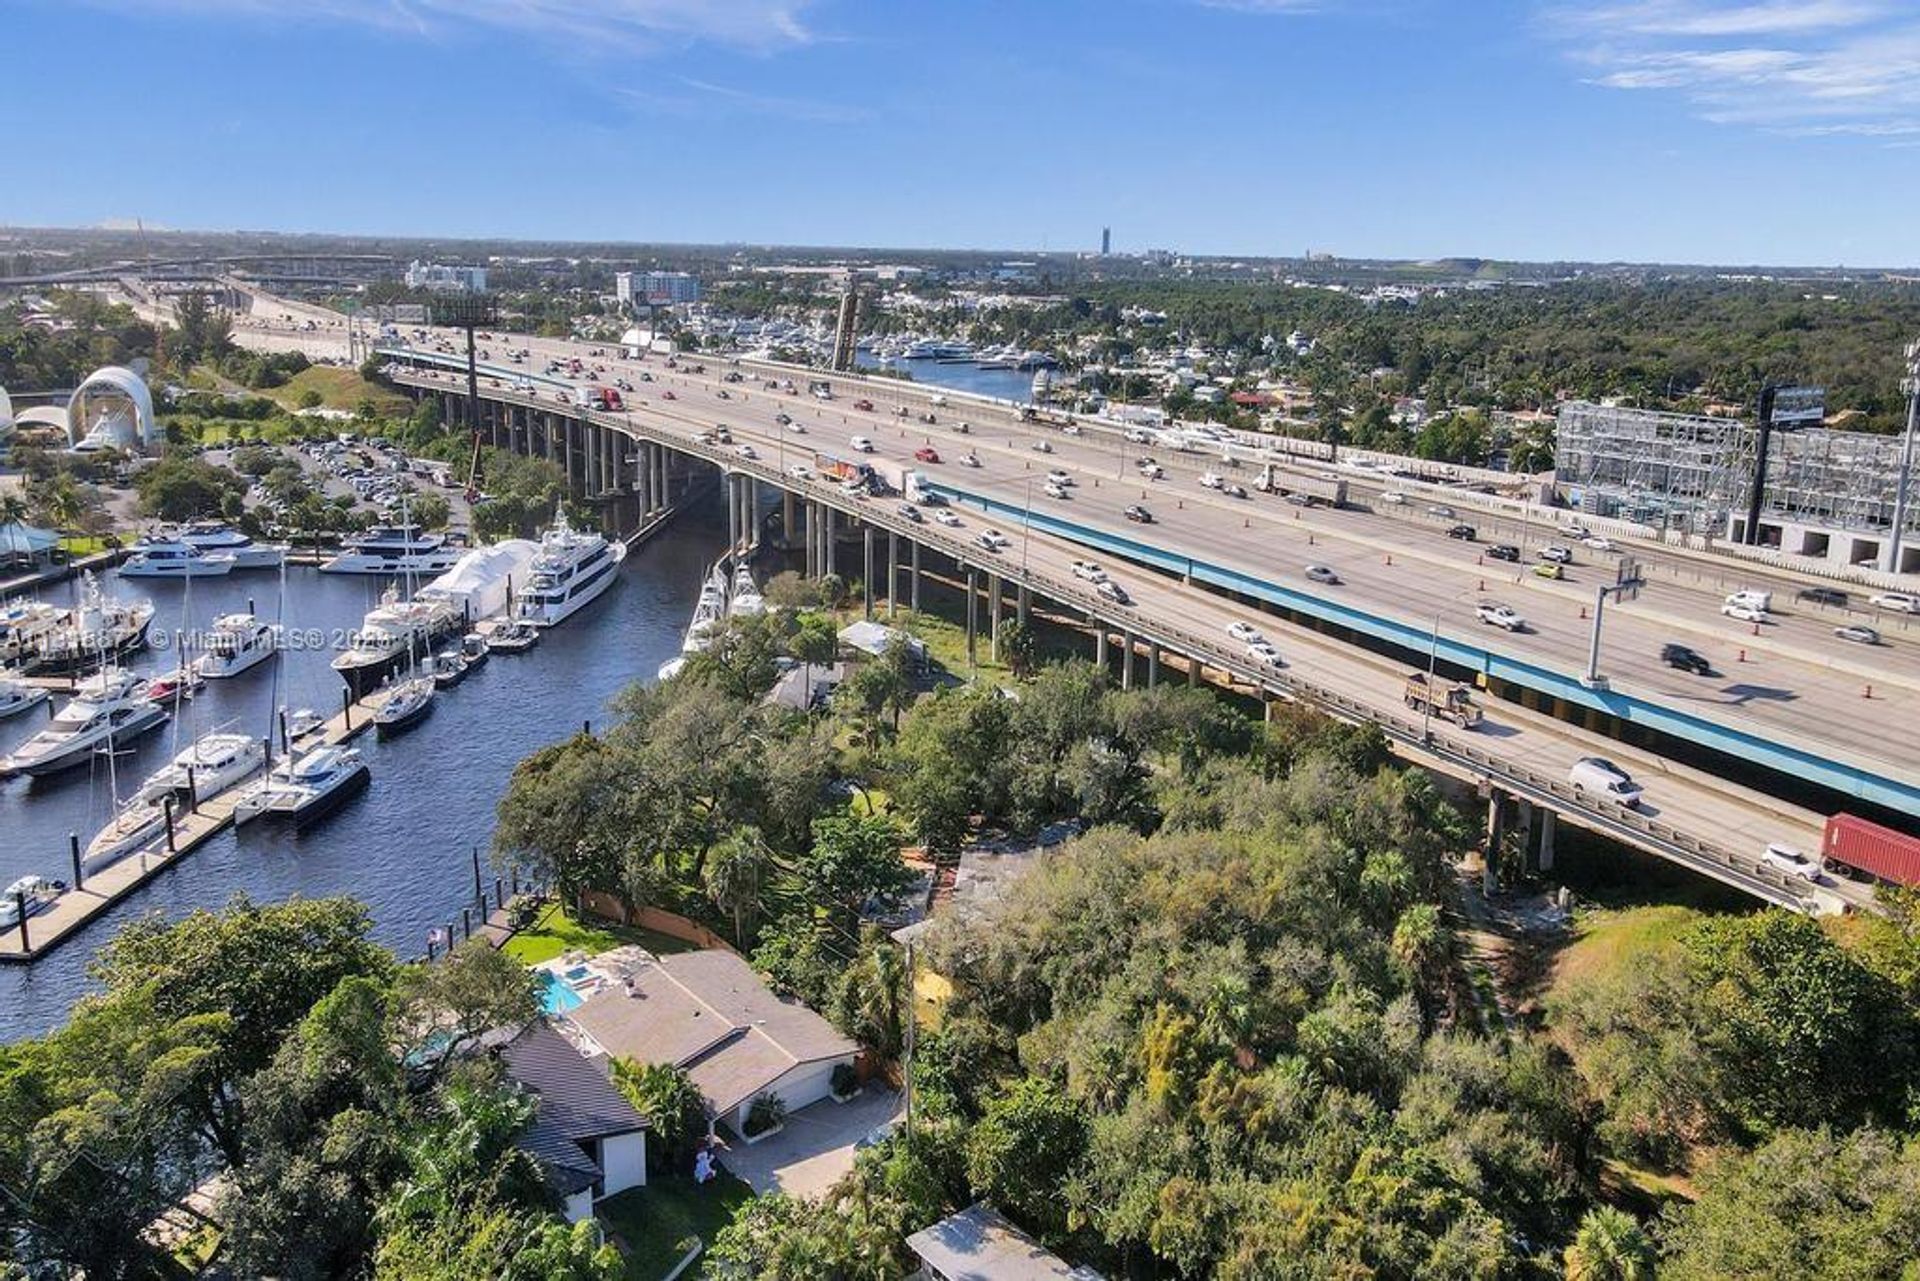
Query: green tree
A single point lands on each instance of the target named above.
(442, 1007)
(675, 1110)
(855, 858)
(1028, 1146)
(1610, 1246)
(1019, 647)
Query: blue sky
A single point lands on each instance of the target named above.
(1773, 131)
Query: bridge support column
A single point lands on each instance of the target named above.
(1100, 645)
(893, 571)
(1022, 601)
(1526, 830)
(786, 516)
(1548, 821)
(993, 617)
(566, 449)
(832, 552)
(753, 512)
(1496, 830)
(1126, 660)
(866, 577)
(1153, 664)
(1194, 671)
(809, 557)
(913, 595)
(973, 615)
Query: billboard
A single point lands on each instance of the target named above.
(1799, 407)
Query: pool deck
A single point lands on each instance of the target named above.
(67, 915)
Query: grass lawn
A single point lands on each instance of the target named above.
(556, 931)
(651, 1222)
(78, 546)
(1608, 938)
(339, 389)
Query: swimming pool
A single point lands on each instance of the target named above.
(555, 996)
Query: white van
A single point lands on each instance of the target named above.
(1597, 774)
(936, 399)
(1752, 599)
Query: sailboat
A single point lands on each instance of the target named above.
(407, 701)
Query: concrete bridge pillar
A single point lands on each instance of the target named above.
(833, 554)
(753, 511)
(1193, 673)
(786, 515)
(913, 596)
(1526, 809)
(893, 571)
(1548, 821)
(1153, 664)
(810, 555)
(993, 617)
(1496, 830)
(1022, 601)
(1126, 660)
(866, 577)
(1100, 645)
(973, 614)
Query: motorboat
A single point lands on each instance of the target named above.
(393, 549)
(513, 638)
(448, 668)
(100, 628)
(109, 707)
(406, 704)
(571, 570)
(299, 724)
(23, 624)
(304, 788)
(671, 668)
(182, 682)
(17, 696)
(207, 767)
(387, 635)
(474, 648)
(746, 596)
(237, 643)
(161, 557)
(709, 612)
(214, 537)
(37, 893)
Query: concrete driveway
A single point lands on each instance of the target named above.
(816, 1146)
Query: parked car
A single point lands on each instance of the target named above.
(1504, 551)
(1502, 616)
(1139, 515)
(1686, 658)
(1785, 858)
(1323, 574)
(1859, 633)
(1600, 775)
(1465, 533)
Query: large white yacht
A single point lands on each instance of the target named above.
(572, 569)
(305, 787)
(212, 536)
(236, 643)
(161, 557)
(388, 634)
(747, 599)
(110, 706)
(24, 624)
(101, 625)
(217, 761)
(709, 612)
(393, 549)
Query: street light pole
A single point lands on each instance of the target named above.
(1026, 529)
(1910, 385)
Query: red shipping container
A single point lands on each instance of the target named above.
(1880, 851)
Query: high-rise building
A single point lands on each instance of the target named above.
(655, 287)
(1106, 241)
(444, 279)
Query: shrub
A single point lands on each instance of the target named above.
(765, 1113)
(845, 1079)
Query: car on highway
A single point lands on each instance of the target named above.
(970, 459)
(1139, 515)
(1858, 633)
(1598, 774)
(1042, 447)
(1504, 551)
(860, 444)
(927, 454)
(907, 511)
(1557, 553)
(945, 516)
(722, 433)
(747, 452)
(1322, 574)
(1054, 489)
(929, 417)
(993, 540)
(1901, 602)
(1441, 510)
(1059, 477)
(1549, 569)
(1088, 571)
(1745, 613)
(668, 395)
(1498, 615)
(723, 393)
(903, 412)
(1685, 658)
(1107, 589)
(783, 419)
(1245, 633)
(1786, 859)
(1151, 470)
(1597, 543)
(1232, 490)
(1465, 533)
(1574, 529)
(1265, 654)
(800, 471)
(1822, 596)
(1397, 499)
(865, 405)
(1210, 480)
(1138, 437)
(1071, 429)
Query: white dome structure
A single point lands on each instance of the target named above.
(112, 409)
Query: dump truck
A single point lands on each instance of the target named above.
(1449, 700)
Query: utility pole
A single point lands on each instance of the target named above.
(1626, 586)
(1911, 385)
(907, 1074)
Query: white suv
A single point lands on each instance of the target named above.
(1785, 858)
(862, 444)
(1901, 601)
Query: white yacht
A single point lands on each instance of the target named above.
(212, 763)
(388, 634)
(304, 788)
(17, 696)
(159, 557)
(100, 625)
(111, 705)
(215, 537)
(24, 624)
(746, 596)
(37, 892)
(709, 612)
(393, 549)
(571, 570)
(237, 643)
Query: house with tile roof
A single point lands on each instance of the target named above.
(589, 1141)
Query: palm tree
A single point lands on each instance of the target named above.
(13, 508)
(1610, 1246)
(735, 872)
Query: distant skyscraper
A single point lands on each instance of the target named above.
(1106, 241)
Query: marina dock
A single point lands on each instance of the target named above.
(92, 895)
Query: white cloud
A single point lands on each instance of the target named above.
(618, 24)
(1810, 68)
